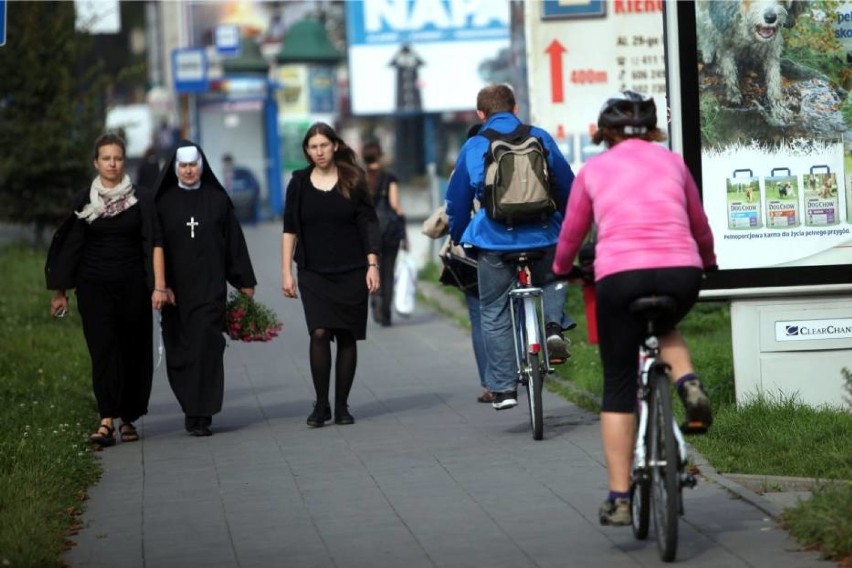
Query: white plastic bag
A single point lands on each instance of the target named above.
(405, 285)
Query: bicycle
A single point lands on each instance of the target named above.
(659, 456)
(531, 356)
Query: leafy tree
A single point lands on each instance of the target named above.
(50, 113)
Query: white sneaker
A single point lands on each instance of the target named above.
(504, 400)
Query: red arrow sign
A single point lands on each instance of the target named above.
(555, 50)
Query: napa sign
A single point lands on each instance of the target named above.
(395, 21)
(411, 56)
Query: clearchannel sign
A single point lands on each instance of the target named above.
(413, 56)
(810, 330)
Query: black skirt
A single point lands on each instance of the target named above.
(335, 301)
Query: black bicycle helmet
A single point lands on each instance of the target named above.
(635, 112)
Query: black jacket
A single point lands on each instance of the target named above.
(63, 257)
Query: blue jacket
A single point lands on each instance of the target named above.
(467, 183)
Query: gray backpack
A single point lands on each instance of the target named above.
(518, 188)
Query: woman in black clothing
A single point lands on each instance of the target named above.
(331, 231)
(103, 250)
(384, 190)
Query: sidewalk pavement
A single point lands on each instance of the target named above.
(425, 477)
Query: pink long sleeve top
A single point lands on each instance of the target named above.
(647, 209)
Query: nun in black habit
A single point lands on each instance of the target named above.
(199, 247)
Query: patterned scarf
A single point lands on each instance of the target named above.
(108, 201)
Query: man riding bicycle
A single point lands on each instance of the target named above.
(488, 239)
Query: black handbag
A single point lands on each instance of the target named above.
(460, 271)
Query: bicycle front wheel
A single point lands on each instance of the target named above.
(663, 464)
(534, 386)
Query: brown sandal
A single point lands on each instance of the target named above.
(486, 396)
(104, 436)
(128, 432)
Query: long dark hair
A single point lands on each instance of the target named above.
(371, 153)
(350, 177)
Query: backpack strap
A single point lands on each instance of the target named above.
(521, 132)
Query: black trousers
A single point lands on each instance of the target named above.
(118, 327)
(383, 300)
(619, 331)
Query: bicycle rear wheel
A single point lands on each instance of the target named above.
(534, 386)
(663, 465)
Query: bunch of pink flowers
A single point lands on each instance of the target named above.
(247, 319)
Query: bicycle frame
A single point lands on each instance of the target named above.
(527, 321)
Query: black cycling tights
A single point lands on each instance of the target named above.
(347, 357)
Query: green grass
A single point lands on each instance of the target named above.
(45, 462)
(769, 435)
(780, 436)
(823, 522)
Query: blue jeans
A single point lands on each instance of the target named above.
(496, 279)
(476, 336)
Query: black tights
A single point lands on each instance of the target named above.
(347, 357)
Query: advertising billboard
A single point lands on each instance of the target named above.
(763, 119)
(580, 53)
(413, 56)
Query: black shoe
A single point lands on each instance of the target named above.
(320, 415)
(504, 400)
(200, 426)
(342, 416)
(190, 423)
(201, 431)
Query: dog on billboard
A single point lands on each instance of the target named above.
(747, 33)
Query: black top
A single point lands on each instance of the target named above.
(334, 234)
(64, 259)
(330, 232)
(113, 247)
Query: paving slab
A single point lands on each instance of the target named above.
(426, 477)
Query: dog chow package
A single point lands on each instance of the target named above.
(782, 199)
(743, 200)
(821, 202)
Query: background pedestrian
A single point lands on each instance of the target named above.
(384, 190)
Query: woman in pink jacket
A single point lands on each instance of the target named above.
(652, 238)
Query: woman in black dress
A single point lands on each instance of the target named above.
(103, 250)
(331, 231)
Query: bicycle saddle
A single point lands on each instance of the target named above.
(516, 256)
(653, 307)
